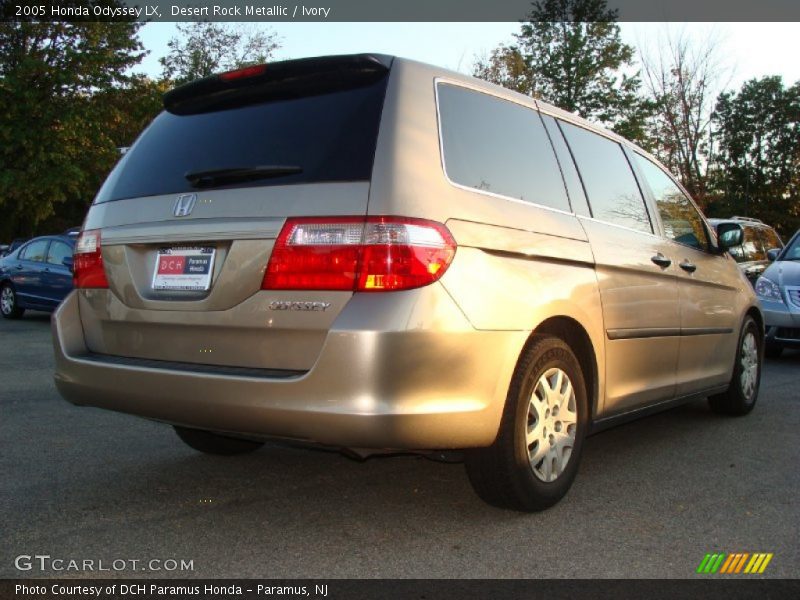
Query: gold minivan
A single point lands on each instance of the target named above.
(370, 253)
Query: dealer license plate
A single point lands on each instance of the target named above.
(187, 269)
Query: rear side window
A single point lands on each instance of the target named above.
(34, 251)
(577, 197)
(498, 146)
(613, 193)
(329, 136)
(682, 222)
(58, 252)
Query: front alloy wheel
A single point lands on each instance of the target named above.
(742, 393)
(749, 360)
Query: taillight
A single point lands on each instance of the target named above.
(87, 261)
(363, 254)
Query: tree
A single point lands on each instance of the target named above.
(130, 108)
(757, 134)
(570, 53)
(54, 144)
(506, 66)
(117, 115)
(205, 48)
(681, 79)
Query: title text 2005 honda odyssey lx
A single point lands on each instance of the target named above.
(367, 252)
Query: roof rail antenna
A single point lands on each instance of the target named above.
(751, 219)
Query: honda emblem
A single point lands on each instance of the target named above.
(184, 205)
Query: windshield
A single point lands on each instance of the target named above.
(792, 251)
(323, 137)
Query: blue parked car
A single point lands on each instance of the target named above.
(37, 275)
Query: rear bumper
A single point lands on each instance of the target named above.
(412, 389)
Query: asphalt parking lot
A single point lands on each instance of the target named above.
(651, 499)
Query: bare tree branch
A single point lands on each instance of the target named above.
(681, 77)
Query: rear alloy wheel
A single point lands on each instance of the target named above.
(742, 393)
(552, 424)
(534, 459)
(214, 443)
(8, 303)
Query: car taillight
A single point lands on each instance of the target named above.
(87, 261)
(363, 254)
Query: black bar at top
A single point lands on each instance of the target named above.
(389, 10)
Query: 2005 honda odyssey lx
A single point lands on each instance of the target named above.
(367, 252)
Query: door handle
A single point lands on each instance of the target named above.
(19, 267)
(661, 260)
(688, 267)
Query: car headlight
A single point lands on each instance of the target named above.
(766, 289)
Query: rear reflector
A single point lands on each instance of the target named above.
(87, 261)
(360, 254)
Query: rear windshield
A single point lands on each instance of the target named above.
(330, 137)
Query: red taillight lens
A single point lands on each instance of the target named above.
(87, 261)
(361, 254)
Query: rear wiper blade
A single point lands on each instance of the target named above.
(234, 174)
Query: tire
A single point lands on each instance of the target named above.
(9, 307)
(505, 474)
(742, 393)
(214, 443)
(773, 350)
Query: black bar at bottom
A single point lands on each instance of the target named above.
(707, 587)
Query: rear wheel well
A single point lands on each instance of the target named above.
(575, 336)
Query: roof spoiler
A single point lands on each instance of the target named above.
(277, 81)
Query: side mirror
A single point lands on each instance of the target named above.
(729, 235)
(773, 253)
(67, 262)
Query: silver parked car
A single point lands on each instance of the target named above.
(779, 291)
(371, 253)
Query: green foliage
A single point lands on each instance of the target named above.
(69, 101)
(570, 54)
(130, 108)
(117, 117)
(55, 145)
(205, 48)
(757, 153)
(506, 66)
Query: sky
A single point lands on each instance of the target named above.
(747, 50)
